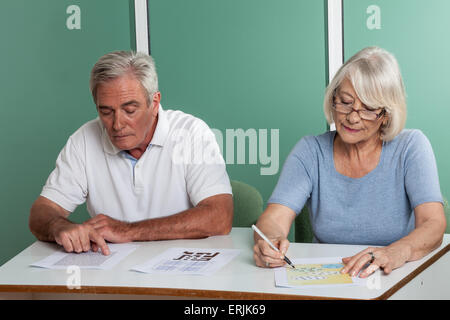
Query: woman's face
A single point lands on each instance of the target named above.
(351, 128)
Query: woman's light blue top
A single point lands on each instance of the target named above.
(376, 209)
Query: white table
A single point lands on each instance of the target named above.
(240, 279)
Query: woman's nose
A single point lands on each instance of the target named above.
(353, 116)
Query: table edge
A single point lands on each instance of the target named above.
(176, 292)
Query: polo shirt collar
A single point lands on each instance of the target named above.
(158, 139)
(162, 129)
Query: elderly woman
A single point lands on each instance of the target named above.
(369, 182)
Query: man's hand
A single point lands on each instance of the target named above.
(48, 222)
(110, 229)
(78, 237)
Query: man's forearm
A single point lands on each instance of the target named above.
(44, 218)
(198, 222)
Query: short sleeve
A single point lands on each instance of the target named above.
(67, 183)
(294, 186)
(421, 174)
(206, 174)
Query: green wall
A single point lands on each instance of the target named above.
(44, 81)
(253, 64)
(415, 31)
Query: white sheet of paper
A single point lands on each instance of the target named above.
(198, 261)
(87, 260)
(315, 272)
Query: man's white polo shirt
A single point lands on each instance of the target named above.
(182, 167)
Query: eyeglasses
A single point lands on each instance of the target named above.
(347, 108)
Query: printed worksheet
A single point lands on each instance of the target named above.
(198, 261)
(318, 272)
(87, 260)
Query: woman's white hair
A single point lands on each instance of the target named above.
(118, 63)
(376, 79)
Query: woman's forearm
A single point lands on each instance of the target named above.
(422, 240)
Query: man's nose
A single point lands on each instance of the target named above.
(117, 122)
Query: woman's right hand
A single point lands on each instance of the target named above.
(275, 222)
(266, 257)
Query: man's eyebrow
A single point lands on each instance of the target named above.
(128, 103)
(131, 102)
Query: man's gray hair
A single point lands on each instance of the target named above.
(119, 63)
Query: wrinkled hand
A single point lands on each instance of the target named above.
(110, 229)
(386, 258)
(266, 257)
(78, 237)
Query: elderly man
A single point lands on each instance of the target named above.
(136, 165)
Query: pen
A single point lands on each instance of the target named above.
(271, 244)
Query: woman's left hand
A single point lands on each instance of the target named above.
(387, 258)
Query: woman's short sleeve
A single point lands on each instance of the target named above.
(295, 183)
(421, 174)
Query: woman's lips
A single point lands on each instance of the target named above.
(350, 129)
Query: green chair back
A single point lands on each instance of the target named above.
(303, 229)
(248, 204)
(447, 215)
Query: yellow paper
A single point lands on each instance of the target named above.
(316, 274)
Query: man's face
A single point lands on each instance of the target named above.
(123, 109)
